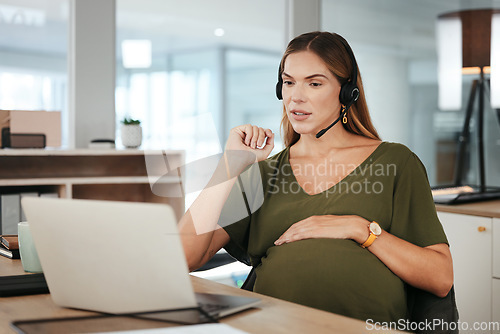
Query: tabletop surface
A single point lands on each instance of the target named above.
(271, 315)
(483, 209)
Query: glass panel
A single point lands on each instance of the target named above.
(211, 70)
(192, 67)
(395, 44)
(193, 119)
(33, 51)
(251, 98)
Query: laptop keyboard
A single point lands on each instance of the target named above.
(18, 285)
(213, 308)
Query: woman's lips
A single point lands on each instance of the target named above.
(300, 115)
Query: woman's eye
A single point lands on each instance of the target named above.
(288, 83)
(315, 84)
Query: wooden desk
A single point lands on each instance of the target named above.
(271, 316)
(482, 209)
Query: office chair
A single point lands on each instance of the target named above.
(249, 281)
(217, 260)
(423, 307)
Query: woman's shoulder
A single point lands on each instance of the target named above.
(396, 151)
(399, 155)
(396, 148)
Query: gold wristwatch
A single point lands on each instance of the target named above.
(375, 231)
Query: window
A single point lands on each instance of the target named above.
(395, 45)
(33, 43)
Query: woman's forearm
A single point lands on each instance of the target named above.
(199, 223)
(200, 235)
(427, 268)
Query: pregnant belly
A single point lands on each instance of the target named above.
(333, 275)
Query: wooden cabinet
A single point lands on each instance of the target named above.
(470, 239)
(496, 247)
(495, 307)
(473, 231)
(495, 314)
(123, 175)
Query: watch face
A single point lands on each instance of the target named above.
(375, 229)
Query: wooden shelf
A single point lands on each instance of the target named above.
(82, 151)
(122, 175)
(84, 180)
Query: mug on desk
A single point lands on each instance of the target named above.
(27, 250)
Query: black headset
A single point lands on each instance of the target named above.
(349, 92)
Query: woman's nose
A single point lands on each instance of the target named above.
(297, 94)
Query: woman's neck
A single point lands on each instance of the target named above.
(335, 138)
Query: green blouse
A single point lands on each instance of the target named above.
(389, 187)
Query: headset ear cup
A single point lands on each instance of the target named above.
(349, 93)
(345, 93)
(279, 87)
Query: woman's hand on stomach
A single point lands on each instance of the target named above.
(327, 226)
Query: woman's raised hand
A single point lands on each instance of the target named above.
(251, 138)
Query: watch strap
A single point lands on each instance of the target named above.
(369, 241)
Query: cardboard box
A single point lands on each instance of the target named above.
(33, 122)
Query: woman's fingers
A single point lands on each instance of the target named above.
(251, 138)
(269, 142)
(254, 136)
(248, 130)
(324, 226)
(290, 235)
(268, 133)
(261, 140)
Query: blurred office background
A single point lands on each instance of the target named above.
(220, 57)
(212, 64)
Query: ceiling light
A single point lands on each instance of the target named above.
(219, 32)
(136, 53)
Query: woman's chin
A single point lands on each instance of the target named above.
(304, 130)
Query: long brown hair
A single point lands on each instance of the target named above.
(332, 49)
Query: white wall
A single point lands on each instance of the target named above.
(385, 80)
(91, 71)
(32, 62)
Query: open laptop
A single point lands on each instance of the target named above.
(116, 257)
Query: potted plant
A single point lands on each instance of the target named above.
(131, 132)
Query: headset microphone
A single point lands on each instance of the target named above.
(322, 132)
(342, 114)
